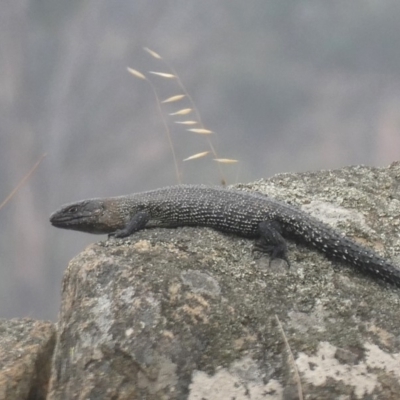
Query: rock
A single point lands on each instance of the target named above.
(26, 348)
(190, 313)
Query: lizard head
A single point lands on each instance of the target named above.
(92, 216)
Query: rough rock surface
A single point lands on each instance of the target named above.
(26, 348)
(190, 313)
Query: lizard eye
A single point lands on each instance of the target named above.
(73, 210)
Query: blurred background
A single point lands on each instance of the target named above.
(286, 86)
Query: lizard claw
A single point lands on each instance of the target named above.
(119, 234)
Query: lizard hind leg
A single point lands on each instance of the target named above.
(271, 241)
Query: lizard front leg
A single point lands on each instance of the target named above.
(137, 223)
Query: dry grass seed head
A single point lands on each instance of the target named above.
(198, 155)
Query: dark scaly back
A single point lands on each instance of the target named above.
(222, 209)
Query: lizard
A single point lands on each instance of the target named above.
(247, 214)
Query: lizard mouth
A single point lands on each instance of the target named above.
(62, 220)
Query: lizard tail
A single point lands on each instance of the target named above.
(336, 246)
